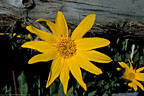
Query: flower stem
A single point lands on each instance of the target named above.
(14, 81)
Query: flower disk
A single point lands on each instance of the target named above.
(129, 76)
(66, 47)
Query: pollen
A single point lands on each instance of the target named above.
(66, 47)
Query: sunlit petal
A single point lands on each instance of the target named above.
(139, 76)
(133, 85)
(83, 27)
(140, 69)
(41, 46)
(43, 57)
(76, 72)
(139, 84)
(64, 76)
(88, 66)
(131, 67)
(61, 25)
(41, 34)
(91, 43)
(96, 56)
(56, 68)
(49, 23)
(124, 65)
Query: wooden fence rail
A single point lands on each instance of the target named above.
(128, 14)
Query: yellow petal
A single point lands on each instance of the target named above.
(139, 76)
(76, 72)
(56, 68)
(130, 84)
(124, 65)
(133, 85)
(131, 67)
(83, 27)
(64, 77)
(41, 34)
(140, 69)
(49, 23)
(61, 25)
(139, 84)
(43, 57)
(86, 65)
(41, 46)
(96, 56)
(91, 43)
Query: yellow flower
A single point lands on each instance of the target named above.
(18, 36)
(69, 53)
(14, 34)
(29, 36)
(133, 75)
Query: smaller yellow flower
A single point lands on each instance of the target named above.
(133, 75)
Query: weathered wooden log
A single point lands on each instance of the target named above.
(75, 10)
(109, 13)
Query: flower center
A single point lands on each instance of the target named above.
(130, 76)
(66, 47)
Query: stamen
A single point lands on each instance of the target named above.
(66, 47)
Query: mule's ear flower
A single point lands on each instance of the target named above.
(132, 75)
(69, 54)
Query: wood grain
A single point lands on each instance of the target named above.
(107, 11)
(75, 10)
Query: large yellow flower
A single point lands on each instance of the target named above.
(69, 53)
(133, 75)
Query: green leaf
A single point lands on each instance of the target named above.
(92, 93)
(38, 86)
(22, 84)
(60, 91)
(7, 90)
